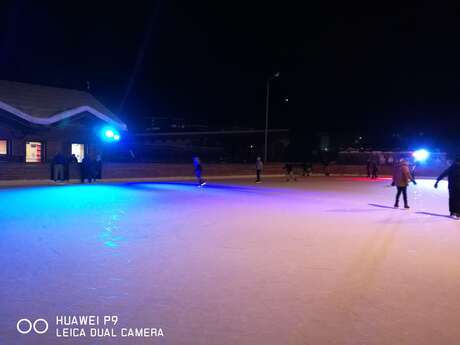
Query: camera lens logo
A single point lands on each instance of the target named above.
(25, 326)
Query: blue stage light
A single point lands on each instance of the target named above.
(421, 155)
(110, 134)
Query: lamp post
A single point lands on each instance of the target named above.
(267, 105)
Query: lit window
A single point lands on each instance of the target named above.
(3, 147)
(78, 150)
(34, 152)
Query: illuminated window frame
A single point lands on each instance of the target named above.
(78, 150)
(4, 151)
(39, 155)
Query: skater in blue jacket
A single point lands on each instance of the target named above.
(198, 171)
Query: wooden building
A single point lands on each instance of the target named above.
(36, 122)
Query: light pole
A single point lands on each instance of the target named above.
(267, 105)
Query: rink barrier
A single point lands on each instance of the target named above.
(384, 170)
(10, 171)
(39, 171)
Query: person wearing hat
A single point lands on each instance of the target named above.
(401, 179)
(453, 175)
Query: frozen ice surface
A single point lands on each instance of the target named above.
(320, 261)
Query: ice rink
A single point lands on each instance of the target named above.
(320, 261)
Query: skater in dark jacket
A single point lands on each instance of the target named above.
(401, 179)
(368, 168)
(259, 168)
(289, 172)
(453, 175)
(198, 171)
(375, 168)
(306, 169)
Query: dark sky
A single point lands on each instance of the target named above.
(357, 67)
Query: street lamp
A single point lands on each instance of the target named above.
(276, 75)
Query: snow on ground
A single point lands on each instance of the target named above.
(320, 261)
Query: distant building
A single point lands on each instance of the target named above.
(241, 145)
(36, 122)
(170, 124)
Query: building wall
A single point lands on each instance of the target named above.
(56, 138)
(18, 149)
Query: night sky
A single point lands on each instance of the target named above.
(352, 68)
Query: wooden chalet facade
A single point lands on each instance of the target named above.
(36, 122)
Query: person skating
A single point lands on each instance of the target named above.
(289, 172)
(368, 168)
(375, 168)
(453, 175)
(306, 169)
(259, 168)
(401, 179)
(198, 171)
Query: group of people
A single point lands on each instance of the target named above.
(402, 176)
(90, 169)
(259, 167)
(288, 169)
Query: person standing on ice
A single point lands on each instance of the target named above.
(198, 171)
(453, 175)
(58, 167)
(98, 167)
(259, 168)
(401, 179)
(86, 169)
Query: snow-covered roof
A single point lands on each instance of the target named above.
(46, 105)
